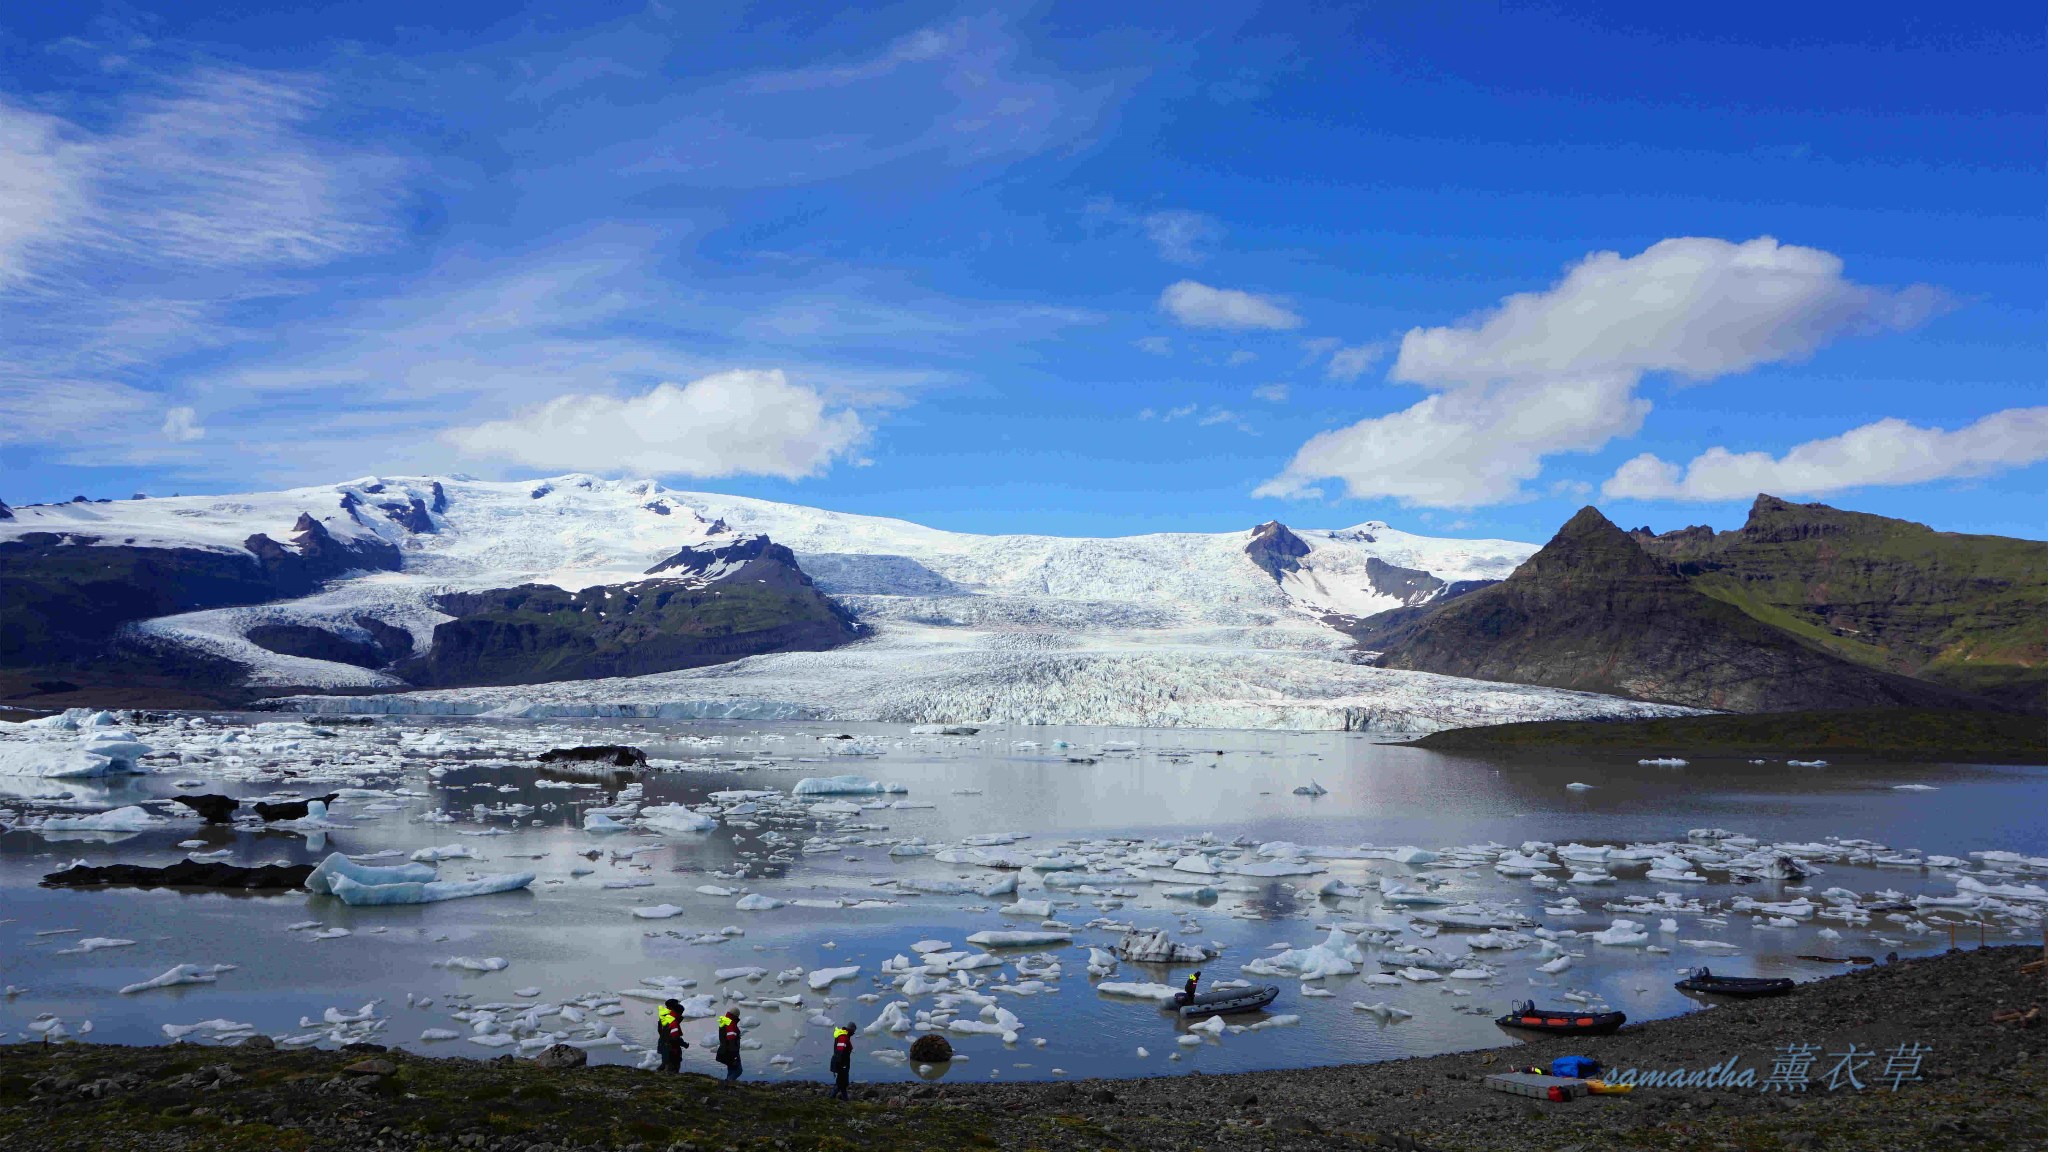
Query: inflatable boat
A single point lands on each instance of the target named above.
(1750, 987)
(1560, 1022)
(1226, 1000)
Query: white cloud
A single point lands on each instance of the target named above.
(1697, 307)
(1556, 371)
(1466, 447)
(1242, 357)
(133, 238)
(1155, 345)
(182, 425)
(1886, 452)
(1200, 306)
(1351, 363)
(727, 424)
(1182, 237)
(1272, 393)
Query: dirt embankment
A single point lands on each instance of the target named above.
(1980, 1085)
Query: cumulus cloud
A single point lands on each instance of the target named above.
(182, 426)
(1200, 306)
(726, 424)
(1886, 452)
(1182, 237)
(1557, 371)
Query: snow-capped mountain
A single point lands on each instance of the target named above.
(1191, 628)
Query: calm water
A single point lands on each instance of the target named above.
(570, 937)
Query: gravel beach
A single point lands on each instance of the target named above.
(1975, 1084)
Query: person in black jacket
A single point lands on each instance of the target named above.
(668, 1035)
(728, 1052)
(842, 1058)
(1187, 991)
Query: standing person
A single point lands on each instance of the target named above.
(842, 1058)
(729, 1045)
(1187, 991)
(668, 1035)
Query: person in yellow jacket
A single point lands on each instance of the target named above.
(668, 1035)
(728, 1052)
(842, 1058)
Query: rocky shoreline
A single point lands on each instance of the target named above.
(1980, 1085)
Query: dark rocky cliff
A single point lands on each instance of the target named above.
(1594, 611)
(1963, 610)
(762, 602)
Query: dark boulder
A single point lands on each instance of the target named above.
(931, 1048)
(214, 809)
(183, 874)
(617, 755)
(560, 1056)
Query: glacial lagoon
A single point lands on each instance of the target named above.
(1119, 818)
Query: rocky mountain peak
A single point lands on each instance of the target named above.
(1589, 539)
(725, 560)
(1276, 549)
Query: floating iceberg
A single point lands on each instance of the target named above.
(339, 866)
(842, 786)
(992, 939)
(182, 974)
(1137, 991)
(129, 819)
(675, 818)
(96, 754)
(359, 895)
(824, 978)
(1154, 946)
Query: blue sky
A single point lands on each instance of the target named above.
(1062, 268)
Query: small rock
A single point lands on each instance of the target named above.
(562, 1056)
(258, 1043)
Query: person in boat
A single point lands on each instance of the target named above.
(1187, 991)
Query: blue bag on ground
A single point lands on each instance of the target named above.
(1576, 1067)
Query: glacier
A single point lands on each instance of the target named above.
(1166, 629)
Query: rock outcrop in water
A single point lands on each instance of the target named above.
(183, 874)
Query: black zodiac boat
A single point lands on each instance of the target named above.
(1559, 1022)
(1226, 1000)
(1701, 980)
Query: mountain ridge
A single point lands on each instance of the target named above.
(1593, 611)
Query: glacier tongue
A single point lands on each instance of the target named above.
(1167, 629)
(922, 674)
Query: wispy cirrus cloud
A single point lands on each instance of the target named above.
(962, 93)
(132, 243)
(1183, 237)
